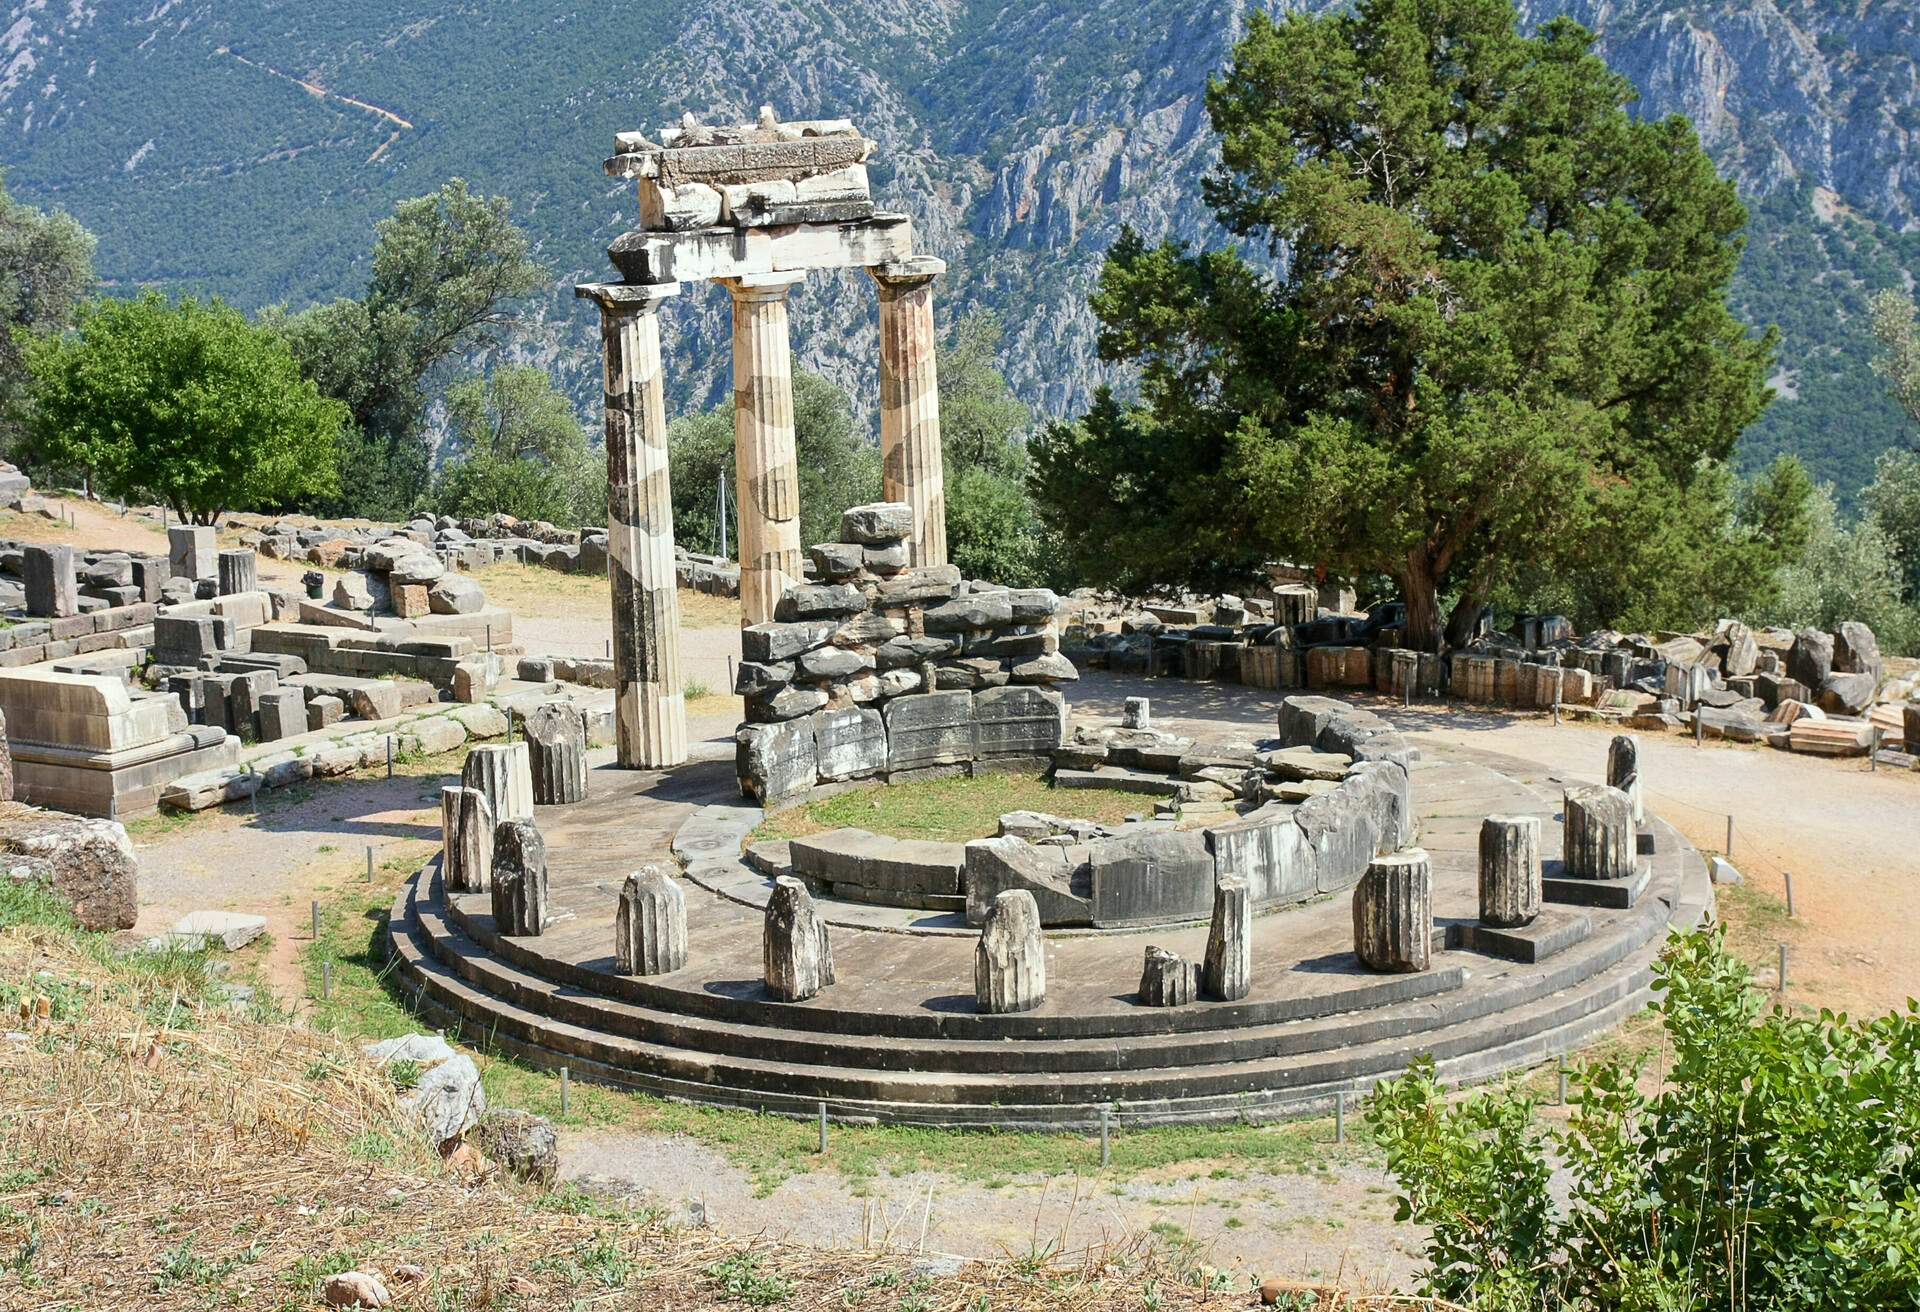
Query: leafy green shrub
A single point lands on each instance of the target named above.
(1775, 1168)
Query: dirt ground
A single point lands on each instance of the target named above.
(1847, 835)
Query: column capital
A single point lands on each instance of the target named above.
(907, 273)
(626, 297)
(772, 286)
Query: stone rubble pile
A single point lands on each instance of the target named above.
(885, 670)
(1807, 691)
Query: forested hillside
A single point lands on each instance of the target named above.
(246, 148)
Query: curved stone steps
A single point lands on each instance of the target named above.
(1469, 1049)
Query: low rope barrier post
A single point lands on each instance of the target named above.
(822, 1149)
(1340, 1116)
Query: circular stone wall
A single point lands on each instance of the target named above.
(898, 1038)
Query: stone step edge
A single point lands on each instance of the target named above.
(511, 1025)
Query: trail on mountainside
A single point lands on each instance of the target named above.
(316, 89)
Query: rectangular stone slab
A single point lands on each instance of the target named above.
(1018, 721)
(934, 728)
(1151, 877)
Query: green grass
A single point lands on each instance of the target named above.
(950, 810)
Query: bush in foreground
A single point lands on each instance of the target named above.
(1774, 1168)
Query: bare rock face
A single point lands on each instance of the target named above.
(798, 956)
(89, 863)
(1010, 964)
(1167, 979)
(1228, 972)
(1510, 879)
(1598, 842)
(520, 905)
(466, 840)
(1623, 771)
(650, 925)
(557, 754)
(1393, 913)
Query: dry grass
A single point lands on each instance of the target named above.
(534, 592)
(159, 1152)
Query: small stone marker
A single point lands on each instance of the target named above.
(1167, 979)
(1136, 713)
(191, 551)
(505, 775)
(799, 958)
(557, 754)
(650, 925)
(466, 840)
(520, 879)
(1010, 963)
(1228, 971)
(1393, 913)
(52, 590)
(1623, 771)
(1510, 879)
(1598, 841)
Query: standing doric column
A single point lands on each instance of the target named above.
(766, 469)
(650, 708)
(910, 468)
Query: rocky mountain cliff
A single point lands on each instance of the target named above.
(247, 149)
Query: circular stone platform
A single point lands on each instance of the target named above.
(898, 1038)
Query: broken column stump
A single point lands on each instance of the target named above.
(1510, 880)
(466, 840)
(1168, 979)
(504, 774)
(1228, 971)
(1010, 963)
(239, 571)
(1393, 913)
(520, 880)
(650, 925)
(557, 754)
(1598, 840)
(799, 958)
(1623, 771)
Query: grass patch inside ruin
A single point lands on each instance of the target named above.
(950, 810)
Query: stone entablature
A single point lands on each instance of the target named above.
(886, 670)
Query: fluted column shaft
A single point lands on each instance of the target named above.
(766, 468)
(910, 460)
(650, 714)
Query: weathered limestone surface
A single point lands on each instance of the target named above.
(239, 571)
(53, 592)
(650, 925)
(650, 717)
(1598, 842)
(767, 467)
(192, 551)
(505, 774)
(1136, 713)
(798, 955)
(1010, 964)
(910, 462)
(1228, 972)
(1167, 979)
(557, 754)
(1510, 878)
(1393, 913)
(1623, 771)
(466, 840)
(520, 907)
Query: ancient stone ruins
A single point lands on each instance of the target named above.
(753, 208)
(1298, 904)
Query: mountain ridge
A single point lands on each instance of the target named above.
(1021, 137)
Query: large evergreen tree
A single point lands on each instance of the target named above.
(1485, 324)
